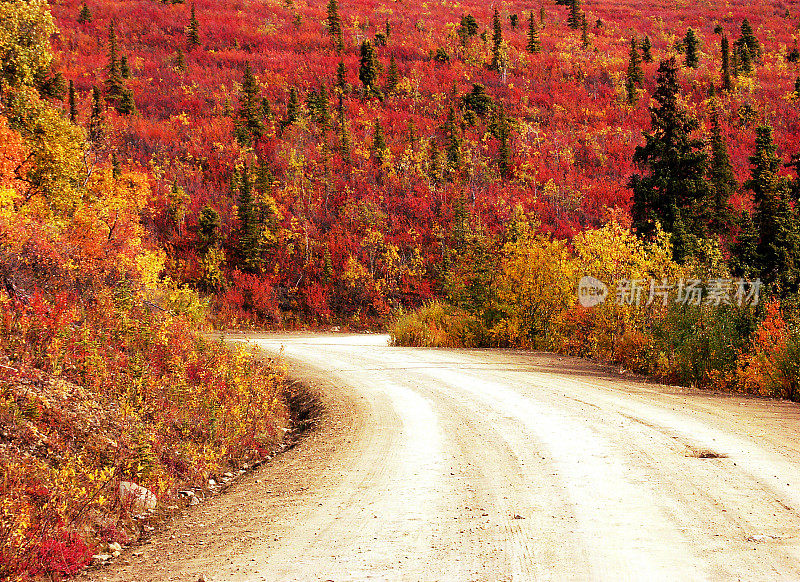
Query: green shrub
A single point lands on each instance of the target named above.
(439, 325)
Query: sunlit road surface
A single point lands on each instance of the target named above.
(460, 465)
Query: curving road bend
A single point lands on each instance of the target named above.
(489, 465)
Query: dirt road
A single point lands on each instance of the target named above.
(457, 465)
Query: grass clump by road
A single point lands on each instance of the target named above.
(439, 325)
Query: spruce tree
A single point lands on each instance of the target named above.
(775, 218)
(745, 260)
(574, 18)
(292, 108)
(249, 236)
(208, 229)
(114, 82)
(692, 47)
(534, 45)
(124, 67)
(584, 32)
(513, 20)
(126, 105)
(117, 94)
(749, 40)
(392, 76)
(674, 165)
(542, 16)
(334, 23)
(477, 100)
(378, 144)
(647, 50)
(497, 41)
(116, 171)
(467, 28)
(85, 15)
(264, 178)
(721, 180)
(249, 125)
(412, 134)
(341, 77)
(73, 109)
(745, 58)
(193, 31)
(368, 68)
(504, 148)
(726, 64)
(97, 123)
(634, 77)
(233, 184)
(735, 61)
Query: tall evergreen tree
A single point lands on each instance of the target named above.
(721, 179)
(335, 26)
(124, 67)
(574, 18)
(647, 50)
(85, 15)
(341, 77)
(504, 148)
(392, 76)
(497, 41)
(323, 108)
(584, 32)
(249, 125)
(97, 121)
(534, 44)
(114, 82)
(73, 109)
(249, 236)
(749, 40)
(116, 170)
(467, 28)
(193, 30)
(378, 144)
(673, 162)
(126, 105)
(368, 68)
(117, 93)
(292, 108)
(726, 63)
(208, 229)
(745, 58)
(692, 47)
(634, 77)
(774, 217)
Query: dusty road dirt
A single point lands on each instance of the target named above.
(459, 465)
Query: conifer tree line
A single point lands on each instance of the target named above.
(685, 187)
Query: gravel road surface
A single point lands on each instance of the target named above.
(491, 465)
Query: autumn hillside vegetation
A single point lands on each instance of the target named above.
(526, 296)
(309, 161)
(696, 284)
(105, 379)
